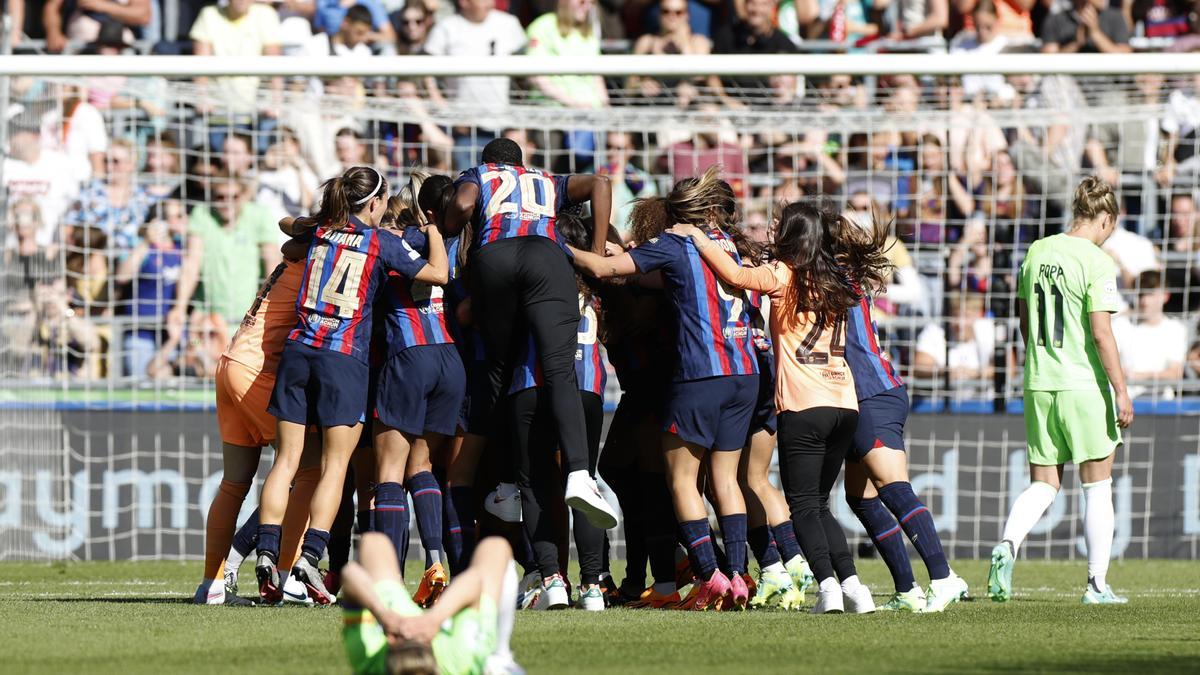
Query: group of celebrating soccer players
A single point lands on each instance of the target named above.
(461, 323)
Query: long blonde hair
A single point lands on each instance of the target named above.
(567, 23)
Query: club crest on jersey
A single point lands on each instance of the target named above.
(735, 332)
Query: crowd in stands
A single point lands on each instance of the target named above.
(139, 224)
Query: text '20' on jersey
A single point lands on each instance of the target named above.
(343, 274)
(714, 326)
(515, 202)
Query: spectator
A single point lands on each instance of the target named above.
(240, 246)
(968, 357)
(286, 185)
(1133, 253)
(754, 34)
(353, 37)
(1182, 236)
(1127, 147)
(1091, 26)
(569, 31)
(1181, 120)
(867, 170)
(629, 183)
(1014, 18)
(161, 172)
(70, 307)
(117, 204)
(969, 267)
(412, 25)
(476, 32)
(1153, 347)
(238, 28)
(207, 335)
(852, 26)
(692, 157)
(87, 16)
(153, 270)
(77, 129)
(238, 156)
(905, 292)
(757, 224)
(16, 12)
(349, 150)
(330, 15)
(1160, 18)
(29, 268)
(916, 18)
(41, 175)
(117, 92)
(675, 36)
(983, 38)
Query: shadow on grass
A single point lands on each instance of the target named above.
(1127, 663)
(124, 600)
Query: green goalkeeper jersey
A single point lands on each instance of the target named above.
(1062, 280)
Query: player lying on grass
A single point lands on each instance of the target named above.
(467, 631)
(1067, 292)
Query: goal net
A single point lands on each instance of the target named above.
(108, 440)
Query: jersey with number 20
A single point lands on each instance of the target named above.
(1063, 279)
(344, 272)
(515, 201)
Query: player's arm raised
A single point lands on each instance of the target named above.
(760, 279)
(597, 189)
(1106, 345)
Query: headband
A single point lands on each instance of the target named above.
(378, 184)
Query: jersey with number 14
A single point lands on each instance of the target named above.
(1064, 279)
(515, 202)
(342, 276)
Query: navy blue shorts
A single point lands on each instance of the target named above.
(764, 409)
(714, 412)
(881, 422)
(421, 390)
(319, 386)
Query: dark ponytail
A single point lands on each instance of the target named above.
(436, 194)
(345, 195)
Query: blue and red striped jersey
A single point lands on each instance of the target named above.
(589, 361)
(873, 372)
(469, 341)
(758, 321)
(714, 326)
(514, 202)
(342, 276)
(527, 373)
(415, 310)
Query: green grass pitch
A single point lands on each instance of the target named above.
(134, 618)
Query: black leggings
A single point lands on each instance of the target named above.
(541, 482)
(522, 286)
(812, 447)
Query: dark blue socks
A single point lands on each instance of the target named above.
(884, 531)
(268, 541)
(427, 502)
(733, 533)
(243, 539)
(917, 522)
(696, 538)
(315, 542)
(785, 541)
(763, 546)
(391, 515)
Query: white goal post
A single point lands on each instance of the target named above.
(679, 66)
